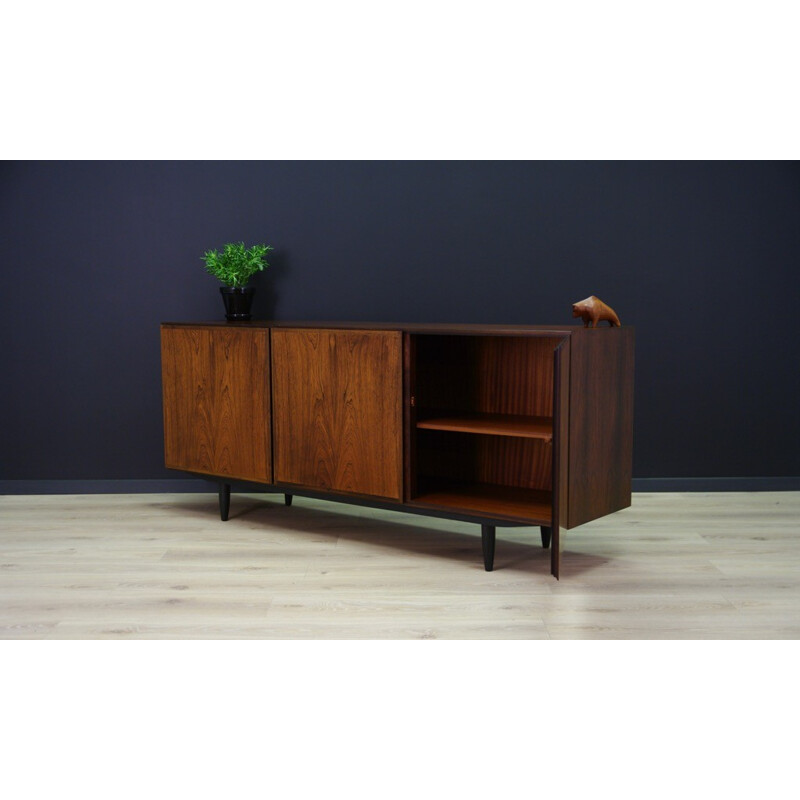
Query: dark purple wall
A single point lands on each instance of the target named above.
(702, 257)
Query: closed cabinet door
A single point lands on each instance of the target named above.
(217, 401)
(337, 412)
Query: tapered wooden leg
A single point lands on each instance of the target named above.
(224, 500)
(555, 552)
(287, 499)
(487, 540)
(546, 534)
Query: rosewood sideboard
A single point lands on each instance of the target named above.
(501, 425)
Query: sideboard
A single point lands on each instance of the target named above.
(500, 425)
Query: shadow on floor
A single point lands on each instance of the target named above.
(518, 548)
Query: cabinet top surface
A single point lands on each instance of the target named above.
(409, 327)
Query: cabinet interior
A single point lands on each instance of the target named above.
(482, 424)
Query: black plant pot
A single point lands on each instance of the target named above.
(238, 300)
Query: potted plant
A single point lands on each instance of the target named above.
(234, 266)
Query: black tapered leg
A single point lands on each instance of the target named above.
(546, 534)
(287, 499)
(487, 539)
(224, 500)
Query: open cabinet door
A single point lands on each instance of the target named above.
(561, 378)
(337, 406)
(600, 424)
(216, 401)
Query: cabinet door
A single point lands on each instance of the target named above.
(337, 420)
(216, 401)
(600, 423)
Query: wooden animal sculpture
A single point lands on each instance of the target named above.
(594, 310)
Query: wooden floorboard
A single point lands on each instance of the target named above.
(673, 566)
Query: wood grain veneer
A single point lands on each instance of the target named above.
(600, 423)
(500, 385)
(409, 417)
(408, 327)
(505, 460)
(490, 375)
(216, 401)
(337, 410)
(492, 500)
(560, 482)
(527, 427)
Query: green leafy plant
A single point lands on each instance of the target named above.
(236, 263)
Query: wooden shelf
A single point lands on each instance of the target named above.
(491, 500)
(493, 424)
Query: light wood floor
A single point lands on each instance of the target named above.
(685, 566)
